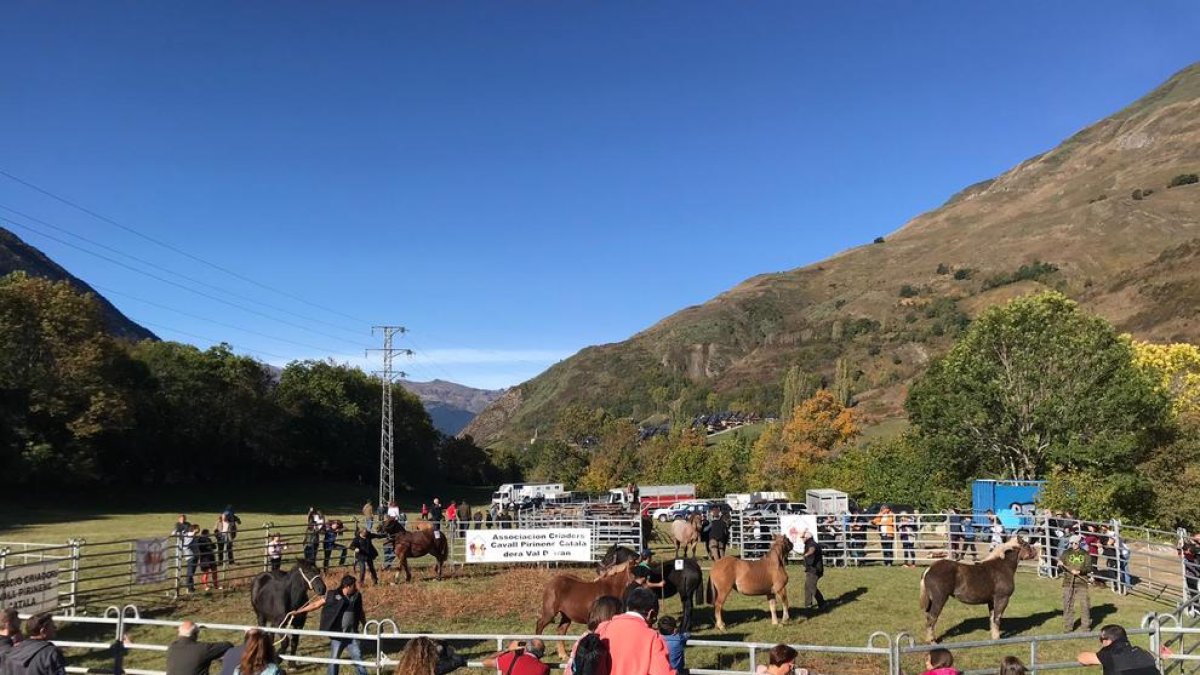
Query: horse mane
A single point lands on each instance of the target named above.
(777, 547)
(615, 569)
(1013, 544)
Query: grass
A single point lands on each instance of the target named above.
(506, 600)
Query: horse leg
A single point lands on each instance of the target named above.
(563, 627)
(782, 594)
(718, 606)
(936, 604)
(677, 548)
(1001, 603)
(771, 604)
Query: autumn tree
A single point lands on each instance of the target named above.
(786, 455)
(798, 385)
(1176, 369)
(1034, 385)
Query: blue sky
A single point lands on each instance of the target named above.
(514, 181)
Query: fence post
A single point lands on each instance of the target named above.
(132, 565)
(1033, 654)
(1119, 584)
(1181, 535)
(76, 549)
(3, 558)
(753, 659)
(267, 547)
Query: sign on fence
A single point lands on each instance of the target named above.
(791, 526)
(516, 546)
(150, 556)
(30, 588)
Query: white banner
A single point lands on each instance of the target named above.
(150, 560)
(792, 525)
(517, 546)
(30, 588)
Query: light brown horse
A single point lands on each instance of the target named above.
(990, 581)
(767, 576)
(416, 544)
(686, 533)
(571, 598)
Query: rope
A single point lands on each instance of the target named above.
(286, 623)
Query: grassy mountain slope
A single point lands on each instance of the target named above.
(887, 308)
(18, 256)
(451, 406)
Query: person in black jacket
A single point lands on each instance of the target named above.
(718, 538)
(1118, 656)
(814, 569)
(341, 612)
(186, 656)
(36, 654)
(365, 554)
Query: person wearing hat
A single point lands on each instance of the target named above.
(1076, 564)
(641, 579)
(341, 612)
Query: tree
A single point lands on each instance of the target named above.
(67, 386)
(899, 469)
(555, 461)
(615, 461)
(786, 455)
(798, 385)
(1038, 384)
(1176, 369)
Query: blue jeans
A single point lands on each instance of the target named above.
(352, 650)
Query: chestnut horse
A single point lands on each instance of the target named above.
(571, 597)
(416, 544)
(989, 581)
(767, 576)
(686, 533)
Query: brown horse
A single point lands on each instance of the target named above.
(686, 533)
(571, 597)
(416, 544)
(990, 581)
(767, 576)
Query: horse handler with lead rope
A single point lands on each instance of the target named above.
(1077, 565)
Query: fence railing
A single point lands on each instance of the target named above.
(122, 634)
(1127, 558)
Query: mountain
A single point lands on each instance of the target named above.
(451, 406)
(18, 256)
(1093, 217)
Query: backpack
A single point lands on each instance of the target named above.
(591, 656)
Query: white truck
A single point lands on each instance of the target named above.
(652, 497)
(740, 501)
(512, 494)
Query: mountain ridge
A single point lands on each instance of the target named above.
(16, 255)
(450, 405)
(1078, 217)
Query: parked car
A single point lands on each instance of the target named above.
(776, 509)
(683, 508)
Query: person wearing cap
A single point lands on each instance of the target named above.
(520, 659)
(1076, 564)
(814, 569)
(718, 536)
(641, 579)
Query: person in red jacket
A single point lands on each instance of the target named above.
(634, 647)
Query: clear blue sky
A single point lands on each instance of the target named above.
(514, 181)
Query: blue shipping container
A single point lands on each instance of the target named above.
(1012, 500)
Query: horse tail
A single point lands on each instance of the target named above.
(709, 592)
(925, 604)
(701, 593)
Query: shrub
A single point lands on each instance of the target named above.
(1099, 198)
(907, 291)
(879, 240)
(839, 303)
(874, 350)
(1137, 195)
(963, 273)
(1184, 179)
(943, 268)
(1035, 270)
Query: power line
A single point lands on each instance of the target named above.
(160, 326)
(168, 270)
(170, 247)
(170, 282)
(111, 291)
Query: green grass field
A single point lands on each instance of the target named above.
(506, 600)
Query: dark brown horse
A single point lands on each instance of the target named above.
(416, 544)
(571, 598)
(989, 581)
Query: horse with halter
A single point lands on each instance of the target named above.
(687, 533)
(681, 575)
(990, 581)
(275, 595)
(571, 598)
(422, 541)
(766, 576)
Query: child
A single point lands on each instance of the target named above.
(275, 549)
(675, 640)
(940, 662)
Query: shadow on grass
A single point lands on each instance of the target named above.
(1017, 625)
